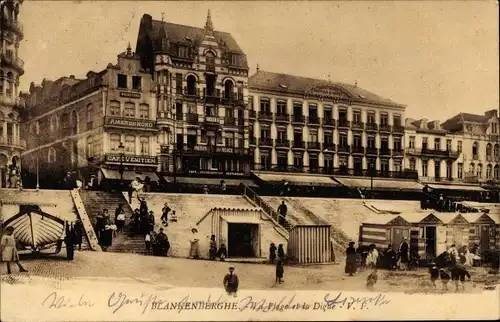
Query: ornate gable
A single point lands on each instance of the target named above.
(431, 219)
(398, 221)
(459, 220)
(485, 220)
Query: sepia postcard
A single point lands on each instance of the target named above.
(249, 160)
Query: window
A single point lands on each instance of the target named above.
(460, 170)
(90, 117)
(327, 113)
(343, 140)
(469, 128)
(488, 171)
(136, 82)
(496, 172)
(122, 81)
(384, 165)
(371, 117)
(144, 111)
(65, 121)
(264, 105)
(356, 117)
(178, 111)
(74, 123)
(357, 141)
(183, 52)
(313, 162)
(250, 103)
(437, 144)
(459, 146)
(129, 110)
(191, 85)
(235, 60)
(90, 146)
(328, 137)
(313, 111)
(144, 141)
(313, 136)
(384, 144)
(496, 151)
(448, 145)
(229, 140)
(424, 143)
(282, 135)
(494, 128)
(424, 168)
(328, 164)
(471, 169)
(413, 164)
(448, 171)
(265, 161)
(479, 171)
(51, 157)
(114, 142)
(371, 142)
(281, 108)
(412, 142)
(130, 144)
(489, 149)
(397, 120)
(297, 109)
(203, 138)
(397, 166)
(342, 115)
(114, 108)
(475, 148)
(282, 160)
(397, 144)
(178, 83)
(298, 161)
(192, 109)
(265, 133)
(384, 119)
(53, 123)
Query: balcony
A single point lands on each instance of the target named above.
(191, 93)
(313, 121)
(298, 119)
(385, 152)
(229, 121)
(384, 128)
(14, 62)
(357, 126)
(11, 142)
(192, 119)
(252, 141)
(371, 127)
(211, 97)
(298, 145)
(265, 142)
(329, 122)
(329, 147)
(130, 123)
(252, 114)
(12, 25)
(397, 152)
(371, 151)
(405, 174)
(398, 129)
(265, 116)
(343, 124)
(358, 150)
(282, 143)
(10, 100)
(313, 146)
(215, 120)
(343, 149)
(282, 118)
(449, 154)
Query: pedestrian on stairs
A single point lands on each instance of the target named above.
(120, 218)
(151, 221)
(164, 215)
(282, 210)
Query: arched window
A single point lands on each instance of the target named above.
(191, 85)
(210, 61)
(496, 151)
(90, 146)
(471, 169)
(496, 172)
(489, 150)
(144, 140)
(114, 108)
(489, 170)
(130, 144)
(74, 122)
(53, 123)
(114, 141)
(228, 89)
(479, 171)
(475, 148)
(51, 157)
(144, 111)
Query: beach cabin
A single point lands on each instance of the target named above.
(483, 231)
(383, 230)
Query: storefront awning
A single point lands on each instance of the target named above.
(242, 219)
(128, 175)
(297, 179)
(455, 187)
(380, 184)
(214, 181)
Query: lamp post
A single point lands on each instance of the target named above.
(371, 179)
(121, 148)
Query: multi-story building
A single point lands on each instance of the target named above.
(479, 134)
(464, 148)
(103, 125)
(202, 87)
(11, 68)
(310, 125)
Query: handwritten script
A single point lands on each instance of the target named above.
(56, 301)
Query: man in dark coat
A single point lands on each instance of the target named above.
(282, 210)
(231, 282)
(351, 259)
(390, 257)
(404, 256)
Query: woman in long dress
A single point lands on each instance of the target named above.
(194, 251)
(9, 250)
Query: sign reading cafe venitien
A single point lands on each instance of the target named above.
(130, 123)
(111, 158)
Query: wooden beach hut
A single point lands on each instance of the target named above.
(383, 230)
(484, 231)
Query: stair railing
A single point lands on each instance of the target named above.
(84, 217)
(259, 202)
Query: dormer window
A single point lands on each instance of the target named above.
(183, 52)
(122, 81)
(235, 59)
(136, 82)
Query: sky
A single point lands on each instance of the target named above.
(438, 58)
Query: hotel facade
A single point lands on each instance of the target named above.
(11, 69)
(309, 125)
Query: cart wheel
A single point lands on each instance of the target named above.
(70, 252)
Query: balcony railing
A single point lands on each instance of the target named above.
(371, 127)
(357, 126)
(228, 120)
(329, 147)
(313, 120)
(343, 149)
(313, 145)
(252, 114)
(384, 128)
(397, 152)
(343, 124)
(398, 129)
(358, 150)
(282, 118)
(301, 119)
(329, 122)
(212, 119)
(266, 142)
(252, 140)
(9, 59)
(438, 153)
(265, 116)
(192, 118)
(11, 141)
(386, 152)
(405, 174)
(282, 143)
(371, 151)
(192, 92)
(298, 145)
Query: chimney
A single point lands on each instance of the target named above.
(148, 21)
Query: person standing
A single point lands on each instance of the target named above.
(9, 250)
(194, 251)
(164, 214)
(351, 259)
(78, 234)
(272, 253)
(107, 231)
(151, 221)
(282, 210)
(404, 256)
(281, 252)
(231, 282)
(212, 252)
(279, 272)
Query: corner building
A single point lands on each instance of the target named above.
(103, 125)
(310, 125)
(202, 87)
(11, 68)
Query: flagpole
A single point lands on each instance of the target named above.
(37, 176)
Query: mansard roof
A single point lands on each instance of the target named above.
(286, 83)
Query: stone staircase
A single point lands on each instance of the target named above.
(97, 201)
